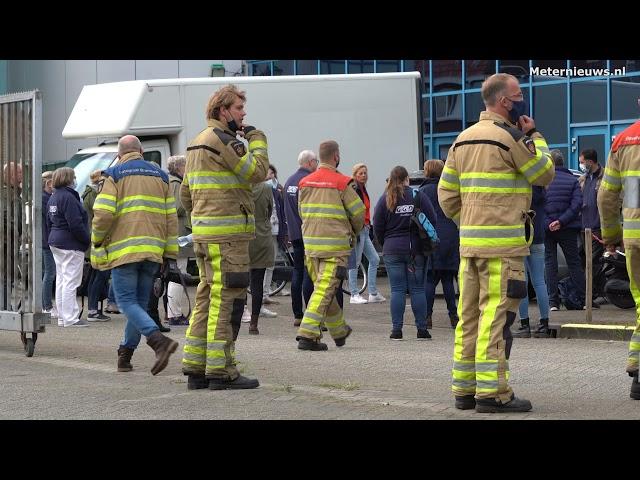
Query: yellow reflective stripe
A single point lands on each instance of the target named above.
(257, 144)
(630, 173)
(215, 301)
(492, 242)
(106, 196)
(490, 227)
(323, 215)
(448, 185)
(458, 337)
(246, 166)
(498, 176)
(450, 171)
(149, 198)
(489, 312)
(610, 186)
(494, 190)
(141, 208)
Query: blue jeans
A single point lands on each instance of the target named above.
(365, 245)
(301, 284)
(534, 266)
(568, 241)
(48, 276)
(406, 272)
(97, 288)
(132, 285)
(446, 277)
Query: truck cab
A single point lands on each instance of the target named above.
(103, 156)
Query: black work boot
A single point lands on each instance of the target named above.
(524, 331)
(465, 402)
(308, 344)
(635, 388)
(543, 329)
(164, 347)
(492, 405)
(240, 383)
(124, 359)
(341, 341)
(197, 382)
(454, 319)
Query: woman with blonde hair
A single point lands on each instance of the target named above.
(364, 244)
(402, 250)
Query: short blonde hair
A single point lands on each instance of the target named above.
(494, 87)
(433, 168)
(327, 149)
(224, 97)
(357, 167)
(63, 177)
(46, 177)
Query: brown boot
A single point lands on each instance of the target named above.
(253, 325)
(297, 322)
(124, 359)
(164, 347)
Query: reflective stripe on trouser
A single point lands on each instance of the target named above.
(209, 346)
(323, 306)
(479, 363)
(633, 267)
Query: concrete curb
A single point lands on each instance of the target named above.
(592, 331)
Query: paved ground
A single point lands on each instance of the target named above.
(72, 374)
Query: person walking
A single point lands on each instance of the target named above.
(445, 260)
(332, 217)
(486, 187)
(403, 255)
(364, 245)
(134, 231)
(216, 191)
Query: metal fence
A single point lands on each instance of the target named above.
(21, 216)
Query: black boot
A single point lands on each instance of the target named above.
(465, 402)
(454, 319)
(341, 341)
(164, 347)
(635, 388)
(308, 344)
(524, 331)
(491, 405)
(543, 329)
(124, 359)
(240, 383)
(197, 382)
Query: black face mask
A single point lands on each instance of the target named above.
(233, 126)
(519, 108)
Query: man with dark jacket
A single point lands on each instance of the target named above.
(562, 224)
(300, 283)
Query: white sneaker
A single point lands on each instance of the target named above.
(377, 298)
(264, 312)
(52, 311)
(246, 315)
(554, 309)
(357, 299)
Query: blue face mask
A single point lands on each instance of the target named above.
(519, 108)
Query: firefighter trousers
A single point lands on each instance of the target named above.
(327, 275)
(224, 276)
(633, 268)
(487, 307)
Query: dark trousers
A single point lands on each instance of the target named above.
(568, 241)
(257, 279)
(597, 249)
(432, 280)
(301, 284)
(97, 289)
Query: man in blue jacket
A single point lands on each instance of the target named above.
(300, 282)
(562, 223)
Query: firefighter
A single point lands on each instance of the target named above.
(621, 177)
(216, 191)
(332, 217)
(135, 229)
(486, 188)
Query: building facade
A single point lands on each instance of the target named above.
(576, 104)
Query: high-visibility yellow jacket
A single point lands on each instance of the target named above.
(134, 215)
(216, 188)
(486, 186)
(331, 211)
(621, 177)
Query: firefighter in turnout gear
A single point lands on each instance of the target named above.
(486, 188)
(135, 229)
(622, 177)
(216, 191)
(332, 217)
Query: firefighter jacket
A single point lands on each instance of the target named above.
(486, 186)
(331, 211)
(621, 178)
(216, 188)
(134, 215)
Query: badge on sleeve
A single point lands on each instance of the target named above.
(528, 142)
(239, 148)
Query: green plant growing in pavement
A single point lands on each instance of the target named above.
(342, 386)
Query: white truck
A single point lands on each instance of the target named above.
(376, 119)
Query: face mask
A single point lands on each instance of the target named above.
(583, 168)
(272, 182)
(519, 108)
(233, 126)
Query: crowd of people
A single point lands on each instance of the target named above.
(494, 215)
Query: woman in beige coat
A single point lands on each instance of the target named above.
(261, 254)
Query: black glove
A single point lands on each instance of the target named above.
(248, 128)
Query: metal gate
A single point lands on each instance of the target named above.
(21, 216)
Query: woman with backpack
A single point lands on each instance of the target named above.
(402, 249)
